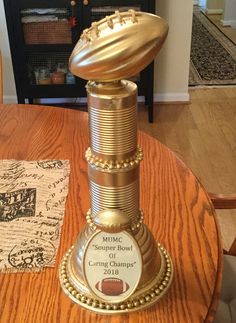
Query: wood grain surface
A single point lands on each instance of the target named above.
(203, 134)
(1, 85)
(176, 208)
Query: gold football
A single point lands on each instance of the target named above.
(118, 46)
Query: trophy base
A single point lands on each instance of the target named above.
(142, 298)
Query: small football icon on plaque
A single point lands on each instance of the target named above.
(112, 286)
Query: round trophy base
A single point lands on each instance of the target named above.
(142, 298)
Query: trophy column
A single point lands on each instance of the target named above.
(113, 156)
(115, 265)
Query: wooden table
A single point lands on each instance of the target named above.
(176, 208)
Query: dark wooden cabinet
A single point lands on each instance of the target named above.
(42, 35)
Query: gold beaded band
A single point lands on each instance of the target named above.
(135, 225)
(93, 160)
(142, 300)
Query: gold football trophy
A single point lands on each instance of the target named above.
(115, 266)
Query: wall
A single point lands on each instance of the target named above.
(229, 15)
(214, 6)
(9, 90)
(171, 65)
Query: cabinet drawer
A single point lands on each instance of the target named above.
(49, 32)
(46, 25)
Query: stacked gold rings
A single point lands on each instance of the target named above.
(113, 157)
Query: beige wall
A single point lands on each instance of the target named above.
(171, 65)
(215, 4)
(229, 15)
(9, 91)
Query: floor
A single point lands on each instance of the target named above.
(227, 30)
(203, 134)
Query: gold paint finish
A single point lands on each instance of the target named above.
(125, 198)
(117, 223)
(112, 95)
(113, 134)
(107, 163)
(140, 300)
(118, 46)
(113, 177)
(113, 123)
(112, 221)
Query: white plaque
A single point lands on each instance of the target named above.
(112, 265)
